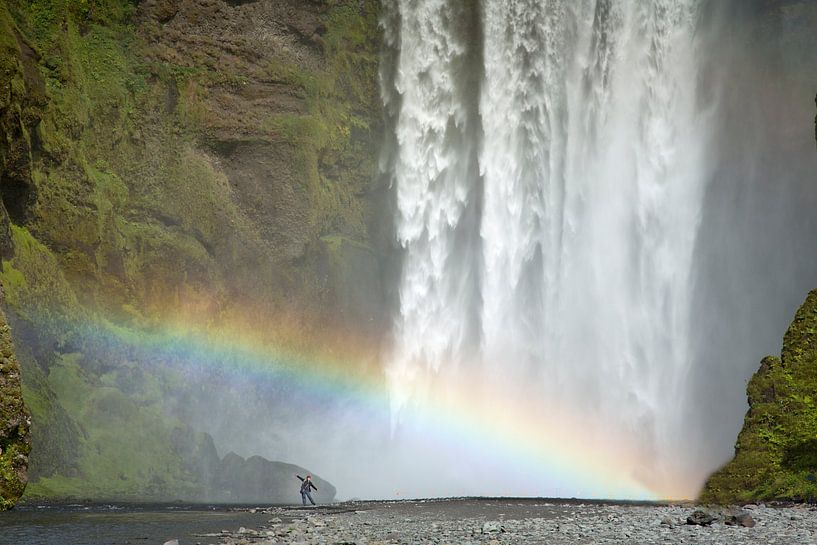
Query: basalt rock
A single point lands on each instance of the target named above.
(741, 519)
(701, 518)
(234, 479)
(258, 480)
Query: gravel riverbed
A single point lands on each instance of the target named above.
(499, 521)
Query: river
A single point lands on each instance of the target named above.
(120, 524)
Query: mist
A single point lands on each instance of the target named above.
(587, 270)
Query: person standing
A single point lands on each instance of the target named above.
(306, 489)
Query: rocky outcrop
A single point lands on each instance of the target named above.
(15, 422)
(776, 451)
(257, 480)
(235, 479)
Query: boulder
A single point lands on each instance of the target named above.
(492, 527)
(701, 518)
(258, 480)
(741, 519)
(234, 479)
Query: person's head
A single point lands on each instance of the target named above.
(309, 477)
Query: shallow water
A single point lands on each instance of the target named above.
(119, 525)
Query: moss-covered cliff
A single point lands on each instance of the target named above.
(776, 451)
(207, 160)
(15, 423)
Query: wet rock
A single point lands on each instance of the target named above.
(741, 519)
(492, 527)
(701, 518)
(410, 522)
(667, 521)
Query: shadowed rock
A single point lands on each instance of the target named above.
(701, 518)
(234, 479)
(742, 519)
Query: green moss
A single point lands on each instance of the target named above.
(133, 214)
(33, 279)
(11, 487)
(15, 440)
(124, 453)
(775, 452)
(340, 126)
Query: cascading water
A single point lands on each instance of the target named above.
(436, 193)
(550, 172)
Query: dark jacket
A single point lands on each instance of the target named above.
(305, 484)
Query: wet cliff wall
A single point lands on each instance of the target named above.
(205, 162)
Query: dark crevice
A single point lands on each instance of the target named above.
(17, 197)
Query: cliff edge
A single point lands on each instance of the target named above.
(776, 451)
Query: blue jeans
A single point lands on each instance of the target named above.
(307, 494)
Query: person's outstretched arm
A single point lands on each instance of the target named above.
(313, 486)
(301, 478)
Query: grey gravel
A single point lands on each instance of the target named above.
(497, 522)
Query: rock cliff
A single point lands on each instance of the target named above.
(15, 424)
(209, 162)
(776, 451)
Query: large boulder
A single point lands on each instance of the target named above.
(258, 480)
(235, 479)
(701, 518)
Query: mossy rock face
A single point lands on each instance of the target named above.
(776, 451)
(22, 98)
(15, 423)
(162, 157)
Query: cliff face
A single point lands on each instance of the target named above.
(776, 451)
(15, 423)
(206, 161)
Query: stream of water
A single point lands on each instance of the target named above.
(120, 524)
(550, 170)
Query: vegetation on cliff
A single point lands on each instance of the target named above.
(160, 160)
(15, 423)
(776, 451)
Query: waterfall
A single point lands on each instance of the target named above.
(549, 169)
(436, 172)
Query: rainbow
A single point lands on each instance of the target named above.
(554, 450)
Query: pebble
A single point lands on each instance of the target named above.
(463, 521)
